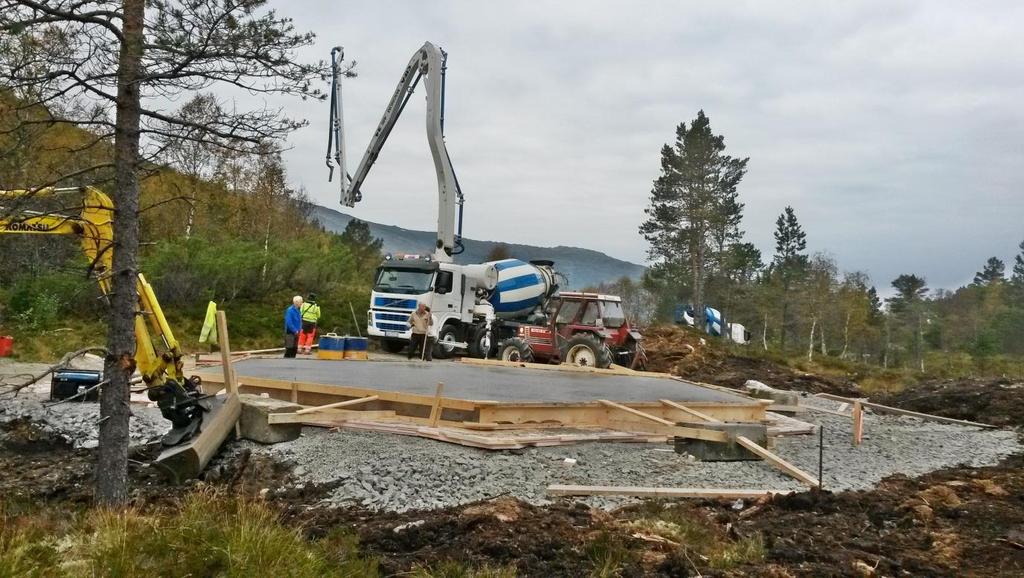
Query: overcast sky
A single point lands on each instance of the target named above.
(893, 128)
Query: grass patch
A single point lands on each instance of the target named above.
(208, 535)
(699, 538)
(453, 569)
(608, 556)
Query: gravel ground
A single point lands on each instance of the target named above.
(399, 473)
(73, 421)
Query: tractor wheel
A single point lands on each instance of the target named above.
(447, 334)
(586, 350)
(515, 350)
(393, 345)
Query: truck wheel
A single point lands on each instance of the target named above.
(586, 350)
(449, 335)
(476, 341)
(515, 350)
(393, 345)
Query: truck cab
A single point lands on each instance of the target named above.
(402, 282)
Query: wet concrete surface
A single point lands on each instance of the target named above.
(475, 382)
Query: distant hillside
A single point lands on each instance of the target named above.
(583, 267)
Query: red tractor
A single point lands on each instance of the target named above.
(584, 329)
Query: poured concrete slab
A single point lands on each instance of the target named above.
(474, 382)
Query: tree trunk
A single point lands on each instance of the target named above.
(782, 325)
(920, 343)
(888, 341)
(764, 333)
(810, 342)
(846, 336)
(821, 336)
(112, 461)
(697, 263)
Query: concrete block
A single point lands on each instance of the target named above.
(779, 396)
(253, 423)
(729, 451)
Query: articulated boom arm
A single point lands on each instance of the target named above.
(94, 227)
(429, 64)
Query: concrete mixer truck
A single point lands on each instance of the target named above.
(476, 306)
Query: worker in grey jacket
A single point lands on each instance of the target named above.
(421, 344)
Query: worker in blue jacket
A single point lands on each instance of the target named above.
(292, 326)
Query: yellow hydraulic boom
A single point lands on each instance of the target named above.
(162, 370)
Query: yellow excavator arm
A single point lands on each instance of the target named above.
(94, 228)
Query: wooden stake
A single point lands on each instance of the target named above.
(897, 411)
(295, 392)
(858, 422)
(435, 409)
(569, 490)
(230, 378)
(778, 462)
(345, 403)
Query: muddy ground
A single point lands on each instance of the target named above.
(954, 522)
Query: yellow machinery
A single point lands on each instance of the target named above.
(157, 355)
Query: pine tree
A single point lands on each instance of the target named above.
(790, 262)
(992, 272)
(693, 211)
(1018, 268)
(908, 306)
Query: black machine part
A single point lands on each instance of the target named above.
(65, 383)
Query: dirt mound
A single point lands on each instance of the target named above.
(949, 523)
(995, 401)
(684, 352)
(536, 541)
(679, 350)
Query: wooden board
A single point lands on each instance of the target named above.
(643, 492)
(186, 461)
(879, 408)
(778, 462)
(327, 416)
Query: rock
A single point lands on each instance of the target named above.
(253, 422)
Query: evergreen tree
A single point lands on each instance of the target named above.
(908, 306)
(992, 272)
(790, 262)
(1018, 268)
(875, 305)
(693, 211)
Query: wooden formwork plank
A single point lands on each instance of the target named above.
(778, 462)
(635, 412)
(329, 415)
(344, 391)
(897, 411)
(689, 411)
(346, 403)
(644, 492)
(435, 408)
(593, 412)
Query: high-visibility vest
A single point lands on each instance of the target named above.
(310, 312)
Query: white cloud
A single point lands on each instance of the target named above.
(892, 127)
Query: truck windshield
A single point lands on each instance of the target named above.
(613, 315)
(408, 281)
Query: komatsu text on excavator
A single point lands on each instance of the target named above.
(158, 356)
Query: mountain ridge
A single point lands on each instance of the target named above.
(582, 267)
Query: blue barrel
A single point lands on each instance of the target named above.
(355, 348)
(331, 347)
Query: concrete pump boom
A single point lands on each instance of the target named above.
(427, 63)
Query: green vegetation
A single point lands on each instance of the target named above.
(219, 226)
(208, 535)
